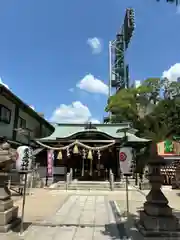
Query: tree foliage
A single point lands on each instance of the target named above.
(153, 108)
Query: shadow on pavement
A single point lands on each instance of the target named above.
(26, 225)
(127, 224)
(111, 230)
(124, 229)
(178, 194)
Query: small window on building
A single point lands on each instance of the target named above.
(21, 123)
(5, 114)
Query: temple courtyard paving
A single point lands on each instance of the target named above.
(75, 215)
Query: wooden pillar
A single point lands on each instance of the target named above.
(118, 163)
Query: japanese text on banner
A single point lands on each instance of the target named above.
(50, 162)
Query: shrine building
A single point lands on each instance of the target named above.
(90, 150)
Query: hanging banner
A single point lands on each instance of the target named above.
(125, 159)
(50, 162)
(24, 158)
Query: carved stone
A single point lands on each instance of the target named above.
(8, 212)
(156, 219)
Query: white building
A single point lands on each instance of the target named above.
(15, 114)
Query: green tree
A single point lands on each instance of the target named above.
(150, 88)
(163, 118)
(164, 121)
(126, 104)
(123, 105)
(132, 99)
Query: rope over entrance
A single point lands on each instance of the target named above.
(76, 142)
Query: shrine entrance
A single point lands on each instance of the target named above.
(92, 155)
(88, 151)
(94, 169)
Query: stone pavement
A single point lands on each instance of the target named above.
(81, 217)
(40, 204)
(85, 215)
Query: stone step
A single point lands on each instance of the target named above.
(95, 186)
(101, 186)
(87, 189)
(90, 182)
(79, 184)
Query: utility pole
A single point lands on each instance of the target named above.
(110, 75)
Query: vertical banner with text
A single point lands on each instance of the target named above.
(50, 162)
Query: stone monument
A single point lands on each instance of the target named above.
(156, 219)
(8, 212)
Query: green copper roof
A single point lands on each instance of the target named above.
(68, 130)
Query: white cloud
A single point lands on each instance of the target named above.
(178, 9)
(74, 113)
(71, 90)
(137, 83)
(173, 73)
(32, 107)
(95, 121)
(93, 85)
(95, 45)
(1, 82)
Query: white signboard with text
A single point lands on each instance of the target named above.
(125, 159)
(24, 158)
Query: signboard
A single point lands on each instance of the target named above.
(24, 158)
(168, 148)
(125, 159)
(50, 162)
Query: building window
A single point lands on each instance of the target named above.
(5, 114)
(21, 123)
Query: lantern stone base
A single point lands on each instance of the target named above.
(156, 226)
(156, 220)
(157, 234)
(8, 216)
(8, 213)
(145, 185)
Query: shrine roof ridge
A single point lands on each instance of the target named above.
(67, 131)
(127, 124)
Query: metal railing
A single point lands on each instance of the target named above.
(111, 179)
(69, 177)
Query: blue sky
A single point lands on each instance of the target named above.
(45, 52)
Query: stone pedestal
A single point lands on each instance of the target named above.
(156, 219)
(8, 212)
(144, 185)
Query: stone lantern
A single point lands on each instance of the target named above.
(156, 218)
(8, 212)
